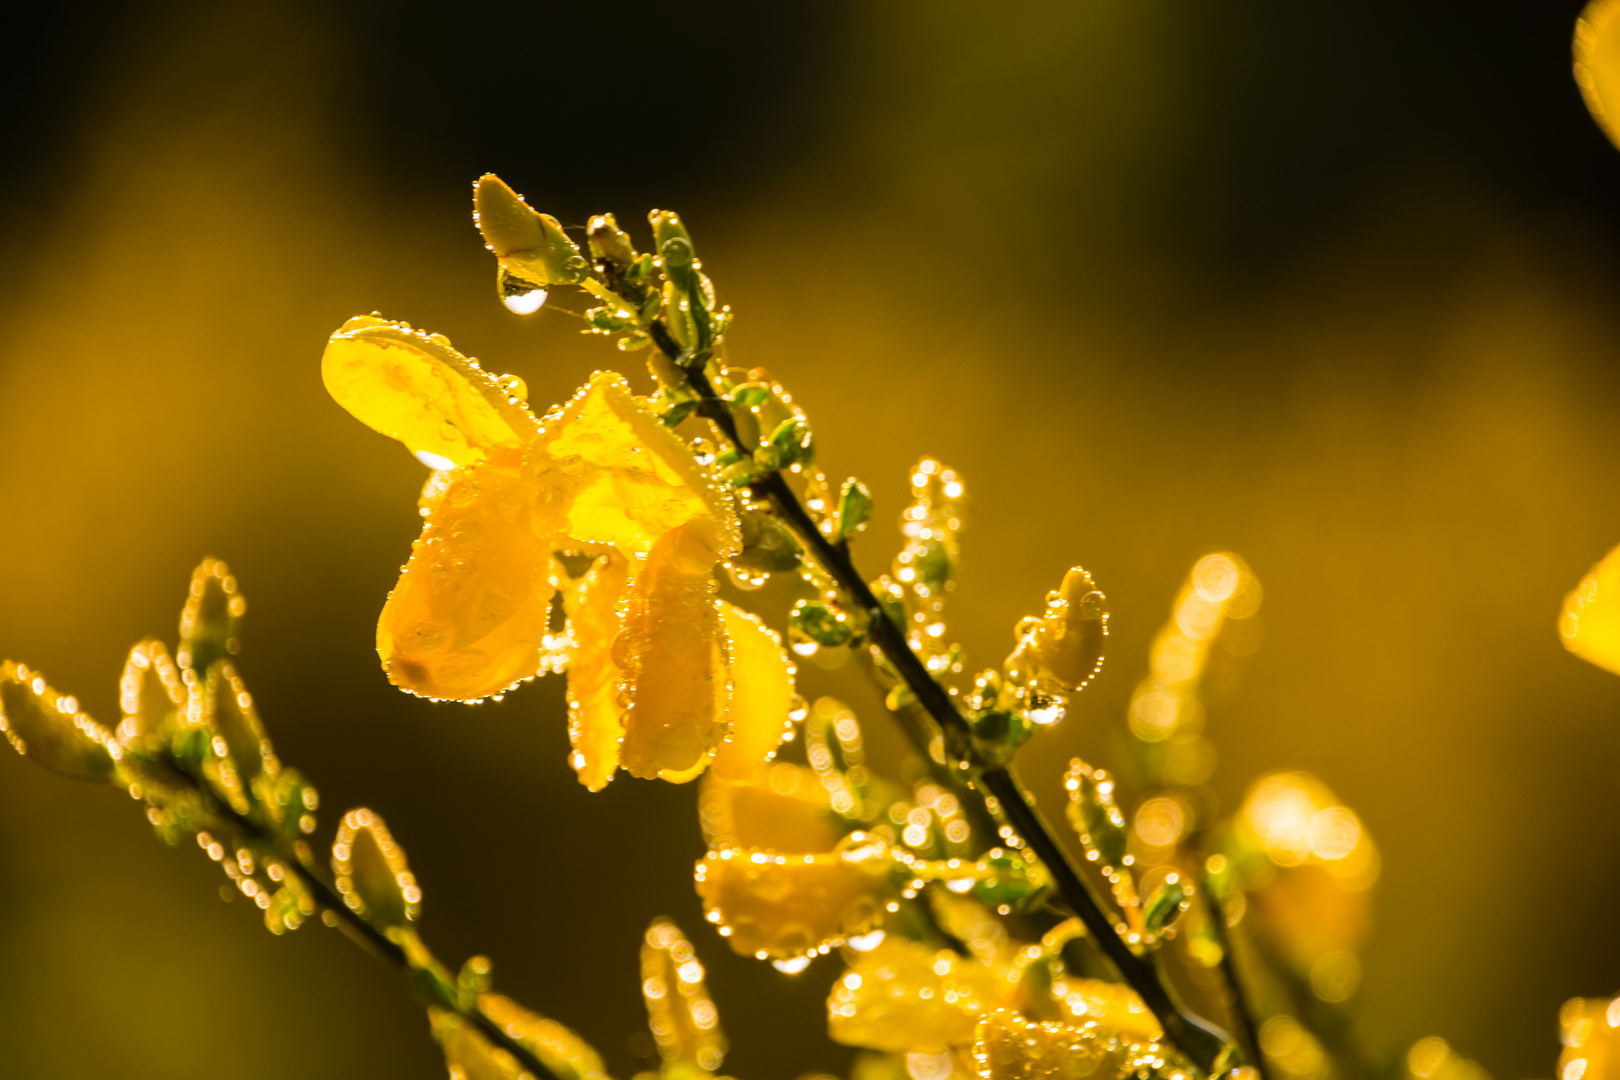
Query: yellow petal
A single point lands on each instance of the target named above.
(1008, 1047)
(903, 996)
(761, 697)
(414, 387)
(606, 470)
(672, 649)
(1590, 624)
(595, 714)
(786, 810)
(786, 906)
(1111, 1004)
(1597, 63)
(470, 613)
(1068, 645)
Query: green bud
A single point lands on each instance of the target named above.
(530, 246)
(49, 728)
(1095, 815)
(371, 872)
(813, 620)
(678, 412)
(666, 226)
(997, 734)
(1165, 905)
(677, 254)
(610, 319)
(1015, 882)
(933, 564)
(749, 395)
(854, 508)
(768, 545)
(610, 242)
(791, 441)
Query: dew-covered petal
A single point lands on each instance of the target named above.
(786, 810)
(414, 387)
(672, 649)
(595, 715)
(1590, 624)
(606, 470)
(470, 613)
(787, 906)
(761, 697)
(1008, 1047)
(904, 996)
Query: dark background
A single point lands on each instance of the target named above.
(1332, 287)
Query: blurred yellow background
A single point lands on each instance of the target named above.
(1333, 290)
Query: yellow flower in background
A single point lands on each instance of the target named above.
(660, 670)
(1590, 1028)
(1597, 63)
(1590, 624)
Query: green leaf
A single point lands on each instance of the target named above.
(49, 728)
(813, 620)
(371, 871)
(1165, 905)
(854, 508)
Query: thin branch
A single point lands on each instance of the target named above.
(1247, 1031)
(1201, 1042)
(296, 858)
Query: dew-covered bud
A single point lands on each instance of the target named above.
(1064, 648)
(610, 242)
(532, 247)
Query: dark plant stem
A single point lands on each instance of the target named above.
(1248, 1033)
(299, 862)
(1197, 1039)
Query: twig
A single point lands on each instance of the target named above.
(299, 861)
(1201, 1042)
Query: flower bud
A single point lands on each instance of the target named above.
(610, 242)
(532, 247)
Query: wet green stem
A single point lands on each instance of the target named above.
(297, 860)
(1201, 1042)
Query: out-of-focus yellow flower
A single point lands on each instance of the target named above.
(1597, 63)
(1590, 623)
(662, 675)
(1307, 864)
(903, 996)
(470, 1056)
(1590, 1029)
(788, 906)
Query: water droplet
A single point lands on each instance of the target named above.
(525, 303)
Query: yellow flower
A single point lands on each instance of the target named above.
(903, 996)
(1590, 623)
(1591, 1034)
(660, 670)
(1597, 63)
